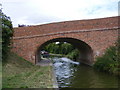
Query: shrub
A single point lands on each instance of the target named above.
(73, 54)
(109, 61)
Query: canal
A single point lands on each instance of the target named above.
(71, 74)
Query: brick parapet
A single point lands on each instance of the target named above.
(67, 26)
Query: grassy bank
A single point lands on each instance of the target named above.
(18, 73)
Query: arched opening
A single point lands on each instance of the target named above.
(86, 52)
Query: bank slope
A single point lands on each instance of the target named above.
(18, 73)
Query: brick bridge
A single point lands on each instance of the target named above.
(91, 37)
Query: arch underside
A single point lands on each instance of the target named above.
(86, 52)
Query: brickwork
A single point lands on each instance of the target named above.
(98, 34)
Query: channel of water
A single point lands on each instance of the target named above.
(71, 74)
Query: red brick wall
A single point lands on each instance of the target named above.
(99, 34)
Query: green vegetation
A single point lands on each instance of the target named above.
(74, 54)
(62, 48)
(110, 61)
(7, 33)
(19, 73)
(5, 39)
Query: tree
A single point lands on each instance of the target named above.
(7, 33)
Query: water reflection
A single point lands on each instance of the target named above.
(76, 75)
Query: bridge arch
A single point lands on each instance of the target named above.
(86, 52)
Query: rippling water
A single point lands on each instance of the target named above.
(75, 75)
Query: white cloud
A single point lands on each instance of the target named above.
(46, 11)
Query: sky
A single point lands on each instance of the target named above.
(36, 12)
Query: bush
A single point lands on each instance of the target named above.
(73, 54)
(109, 61)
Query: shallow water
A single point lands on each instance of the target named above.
(72, 74)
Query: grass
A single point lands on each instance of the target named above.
(19, 73)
